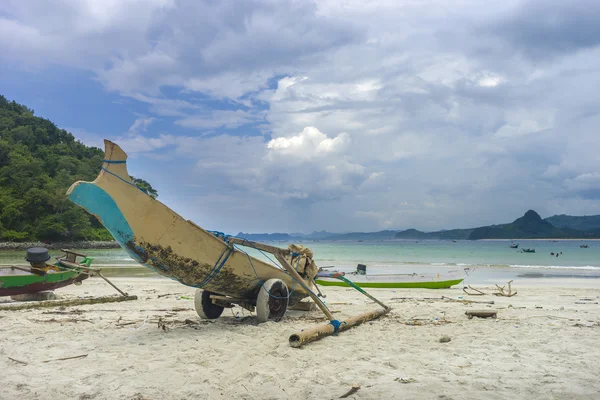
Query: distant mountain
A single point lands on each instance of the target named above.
(529, 226)
(314, 236)
(451, 234)
(381, 235)
(266, 237)
(585, 223)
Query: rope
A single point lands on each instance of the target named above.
(129, 183)
(336, 325)
(217, 267)
(225, 237)
(114, 161)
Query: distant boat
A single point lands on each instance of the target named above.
(514, 246)
(392, 281)
(584, 246)
(528, 251)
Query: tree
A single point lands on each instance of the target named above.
(145, 186)
(38, 163)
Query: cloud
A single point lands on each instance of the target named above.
(141, 125)
(343, 115)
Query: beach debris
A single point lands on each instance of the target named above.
(482, 313)
(445, 339)
(468, 301)
(66, 358)
(18, 361)
(73, 302)
(405, 380)
(168, 294)
(354, 389)
(162, 325)
(477, 291)
(61, 320)
(508, 293)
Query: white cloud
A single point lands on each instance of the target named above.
(141, 125)
(364, 106)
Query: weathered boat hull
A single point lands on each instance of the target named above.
(158, 238)
(16, 282)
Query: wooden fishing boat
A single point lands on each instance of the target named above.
(224, 274)
(393, 281)
(21, 280)
(160, 239)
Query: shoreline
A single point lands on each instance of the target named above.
(91, 244)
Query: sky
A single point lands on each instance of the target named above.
(347, 115)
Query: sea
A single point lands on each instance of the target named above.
(485, 261)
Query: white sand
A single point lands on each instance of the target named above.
(543, 347)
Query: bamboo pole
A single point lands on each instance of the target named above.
(74, 302)
(318, 332)
(257, 245)
(298, 278)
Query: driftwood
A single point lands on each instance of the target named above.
(66, 358)
(467, 301)
(482, 313)
(501, 291)
(443, 298)
(477, 291)
(17, 361)
(66, 303)
(350, 392)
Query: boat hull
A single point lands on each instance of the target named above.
(14, 284)
(160, 239)
(392, 285)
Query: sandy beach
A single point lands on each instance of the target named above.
(544, 344)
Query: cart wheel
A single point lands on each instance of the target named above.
(205, 308)
(272, 301)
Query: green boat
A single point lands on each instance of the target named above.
(392, 281)
(41, 276)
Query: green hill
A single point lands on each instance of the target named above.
(529, 226)
(584, 223)
(38, 163)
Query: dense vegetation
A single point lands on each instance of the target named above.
(38, 163)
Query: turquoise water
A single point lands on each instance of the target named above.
(489, 258)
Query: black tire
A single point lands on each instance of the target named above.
(272, 301)
(205, 308)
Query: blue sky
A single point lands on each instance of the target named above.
(292, 116)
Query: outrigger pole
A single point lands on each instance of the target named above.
(317, 332)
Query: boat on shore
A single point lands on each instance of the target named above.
(163, 241)
(41, 276)
(361, 278)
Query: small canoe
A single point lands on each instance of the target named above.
(14, 281)
(395, 281)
